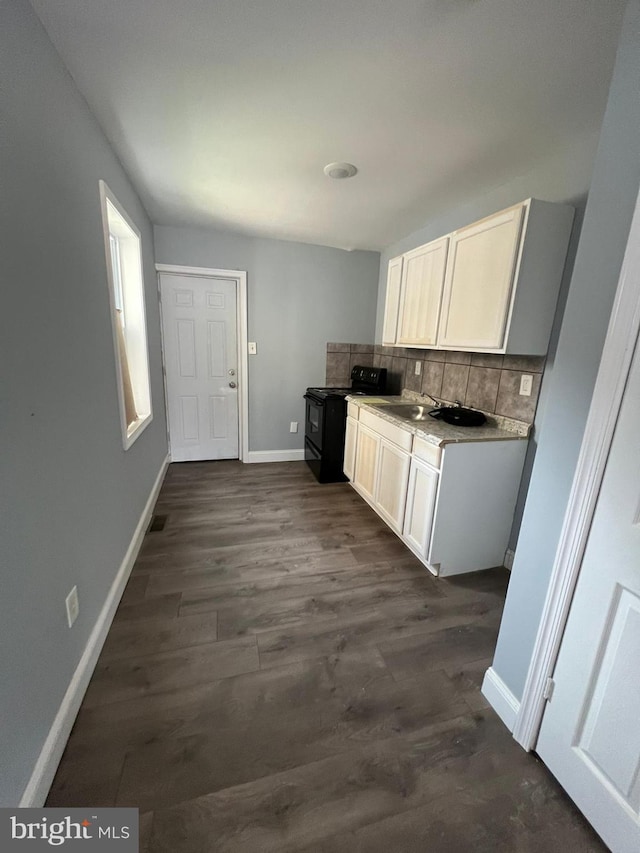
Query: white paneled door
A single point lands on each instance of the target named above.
(590, 736)
(199, 323)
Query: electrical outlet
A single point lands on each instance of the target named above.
(526, 385)
(73, 606)
(253, 347)
(293, 426)
(418, 368)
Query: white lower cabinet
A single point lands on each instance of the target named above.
(391, 485)
(421, 502)
(350, 439)
(452, 506)
(366, 467)
(380, 472)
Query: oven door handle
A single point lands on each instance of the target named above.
(313, 400)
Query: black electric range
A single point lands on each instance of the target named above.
(326, 418)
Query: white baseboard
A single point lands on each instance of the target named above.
(275, 456)
(501, 699)
(37, 789)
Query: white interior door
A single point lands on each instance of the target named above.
(199, 321)
(590, 735)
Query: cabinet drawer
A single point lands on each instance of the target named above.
(427, 452)
(402, 437)
(353, 411)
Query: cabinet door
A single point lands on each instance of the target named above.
(350, 439)
(421, 293)
(391, 486)
(421, 500)
(366, 467)
(392, 301)
(479, 281)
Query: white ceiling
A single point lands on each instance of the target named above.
(224, 112)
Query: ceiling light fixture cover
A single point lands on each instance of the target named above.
(340, 170)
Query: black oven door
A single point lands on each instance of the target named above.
(314, 420)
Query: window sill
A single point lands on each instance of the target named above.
(135, 430)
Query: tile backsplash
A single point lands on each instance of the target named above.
(481, 381)
(342, 357)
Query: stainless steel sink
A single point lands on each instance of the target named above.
(454, 415)
(409, 411)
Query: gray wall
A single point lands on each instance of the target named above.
(71, 495)
(299, 297)
(607, 219)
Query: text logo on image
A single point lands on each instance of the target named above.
(70, 829)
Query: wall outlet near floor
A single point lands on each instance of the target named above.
(293, 426)
(73, 606)
(253, 347)
(418, 368)
(508, 559)
(526, 385)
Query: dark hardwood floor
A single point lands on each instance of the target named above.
(283, 675)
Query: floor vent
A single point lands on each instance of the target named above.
(157, 523)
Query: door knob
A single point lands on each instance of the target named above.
(232, 385)
(232, 372)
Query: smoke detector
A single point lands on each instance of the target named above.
(340, 170)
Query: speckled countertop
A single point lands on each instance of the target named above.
(439, 433)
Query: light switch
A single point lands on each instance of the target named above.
(526, 384)
(253, 347)
(418, 368)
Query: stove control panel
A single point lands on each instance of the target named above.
(373, 379)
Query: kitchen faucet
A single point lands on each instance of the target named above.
(433, 399)
(439, 403)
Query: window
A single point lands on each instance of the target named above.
(126, 291)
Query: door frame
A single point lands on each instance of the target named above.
(617, 355)
(240, 279)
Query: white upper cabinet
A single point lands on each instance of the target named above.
(392, 301)
(490, 287)
(480, 275)
(421, 294)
